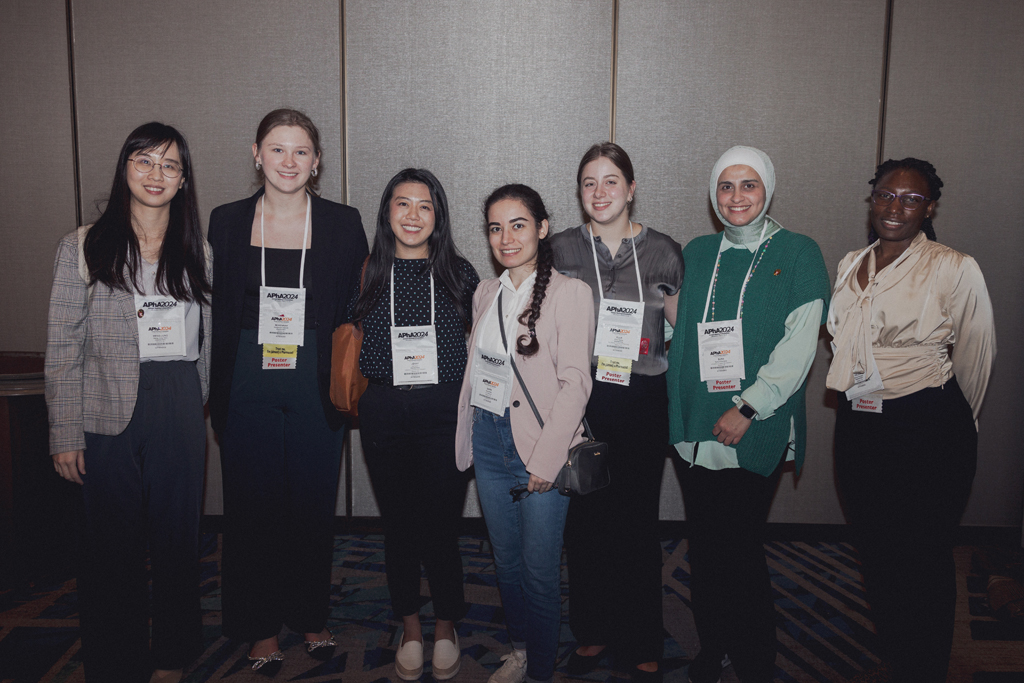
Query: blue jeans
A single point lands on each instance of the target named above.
(527, 541)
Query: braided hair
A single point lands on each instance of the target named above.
(926, 171)
(527, 344)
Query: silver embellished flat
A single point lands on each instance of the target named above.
(260, 662)
(316, 644)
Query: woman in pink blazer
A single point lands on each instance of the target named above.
(549, 320)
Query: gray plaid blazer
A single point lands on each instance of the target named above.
(92, 353)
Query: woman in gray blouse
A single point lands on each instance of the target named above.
(635, 274)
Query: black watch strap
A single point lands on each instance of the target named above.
(746, 410)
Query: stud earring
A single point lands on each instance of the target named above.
(313, 173)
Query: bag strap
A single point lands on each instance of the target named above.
(512, 358)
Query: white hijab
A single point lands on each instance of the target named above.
(762, 164)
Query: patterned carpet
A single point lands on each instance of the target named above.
(825, 632)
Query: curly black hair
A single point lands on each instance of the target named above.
(926, 170)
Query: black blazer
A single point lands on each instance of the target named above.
(337, 259)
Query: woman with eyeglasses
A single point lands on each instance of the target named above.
(906, 440)
(286, 260)
(750, 311)
(127, 361)
(542, 323)
(413, 307)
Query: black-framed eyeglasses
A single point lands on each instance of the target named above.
(909, 201)
(143, 164)
(519, 492)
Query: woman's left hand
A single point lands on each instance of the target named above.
(731, 427)
(538, 485)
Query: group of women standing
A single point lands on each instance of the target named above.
(146, 319)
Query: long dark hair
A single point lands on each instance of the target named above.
(926, 171)
(111, 246)
(527, 344)
(292, 117)
(443, 257)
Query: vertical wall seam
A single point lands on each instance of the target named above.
(344, 112)
(615, 66)
(347, 452)
(73, 91)
(883, 100)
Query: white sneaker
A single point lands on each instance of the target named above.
(513, 670)
(409, 659)
(447, 659)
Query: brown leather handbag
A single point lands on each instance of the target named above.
(347, 382)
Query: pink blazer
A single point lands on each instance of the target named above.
(558, 376)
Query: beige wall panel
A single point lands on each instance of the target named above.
(212, 70)
(37, 182)
(956, 98)
(482, 93)
(796, 78)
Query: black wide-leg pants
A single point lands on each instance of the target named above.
(611, 535)
(730, 588)
(143, 491)
(905, 476)
(280, 462)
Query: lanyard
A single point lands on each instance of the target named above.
(636, 263)
(743, 289)
(393, 297)
(263, 248)
(501, 319)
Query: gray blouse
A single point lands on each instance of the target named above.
(661, 269)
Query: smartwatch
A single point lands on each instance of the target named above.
(746, 410)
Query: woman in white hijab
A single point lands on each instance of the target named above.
(752, 301)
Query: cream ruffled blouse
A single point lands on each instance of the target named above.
(929, 300)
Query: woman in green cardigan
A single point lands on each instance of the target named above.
(746, 332)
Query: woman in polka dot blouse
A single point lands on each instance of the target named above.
(415, 308)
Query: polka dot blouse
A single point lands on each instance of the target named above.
(412, 307)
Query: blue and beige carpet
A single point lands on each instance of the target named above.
(824, 626)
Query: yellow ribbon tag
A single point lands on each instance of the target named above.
(613, 370)
(280, 356)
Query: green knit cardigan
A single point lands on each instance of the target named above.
(790, 274)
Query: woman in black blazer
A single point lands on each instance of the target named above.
(285, 261)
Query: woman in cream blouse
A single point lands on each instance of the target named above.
(906, 438)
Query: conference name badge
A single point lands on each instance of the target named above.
(720, 353)
(872, 403)
(161, 325)
(613, 370)
(280, 356)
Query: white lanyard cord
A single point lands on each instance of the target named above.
(263, 247)
(636, 263)
(743, 289)
(393, 297)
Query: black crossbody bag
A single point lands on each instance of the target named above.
(586, 468)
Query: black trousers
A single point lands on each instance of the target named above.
(408, 440)
(905, 476)
(280, 464)
(143, 490)
(730, 588)
(611, 536)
